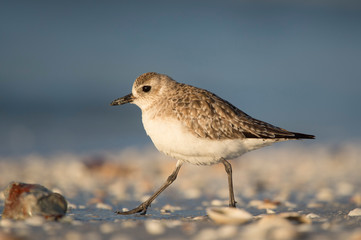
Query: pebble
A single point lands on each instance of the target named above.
(192, 193)
(6, 223)
(189, 228)
(265, 204)
(173, 223)
(344, 188)
(170, 208)
(199, 218)
(154, 227)
(295, 217)
(129, 224)
(355, 212)
(77, 223)
(207, 234)
(103, 206)
(73, 235)
(312, 215)
(217, 203)
(305, 228)
(326, 226)
(290, 204)
(270, 211)
(356, 199)
(27, 200)
(165, 211)
(106, 228)
(314, 205)
(226, 215)
(35, 221)
(227, 231)
(325, 194)
(271, 227)
(72, 206)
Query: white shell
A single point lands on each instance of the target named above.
(227, 215)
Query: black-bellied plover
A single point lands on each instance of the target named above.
(196, 126)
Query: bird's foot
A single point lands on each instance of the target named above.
(232, 204)
(142, 209)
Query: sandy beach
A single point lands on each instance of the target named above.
(319, 185)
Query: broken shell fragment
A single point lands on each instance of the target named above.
(355, 213)
(226, 215)
(296, 217)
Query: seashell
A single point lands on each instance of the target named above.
(295, 217)
(355, 213)
(265, 204)
(226, 215)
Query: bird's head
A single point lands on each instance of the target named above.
(147, 89)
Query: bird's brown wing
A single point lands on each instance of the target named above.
(209, 116)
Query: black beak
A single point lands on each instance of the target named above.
(123, 100)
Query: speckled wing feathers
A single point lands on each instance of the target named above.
(211, 117)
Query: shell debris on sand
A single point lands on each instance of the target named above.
(106, 169)
(310, 172)
(169, 208)
(227, 215)
(355, 212)
(271, 227)
(265, 204)
(356, 198)
(296, 217)
(154, 227)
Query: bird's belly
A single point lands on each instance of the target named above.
(173, 139)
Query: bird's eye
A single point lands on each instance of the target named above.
(146, 88)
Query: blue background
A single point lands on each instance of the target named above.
(294, 64)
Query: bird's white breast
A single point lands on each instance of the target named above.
(172, 138)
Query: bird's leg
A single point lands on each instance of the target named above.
(228, 167)
(142, 208)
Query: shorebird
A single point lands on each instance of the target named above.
(196, 126)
